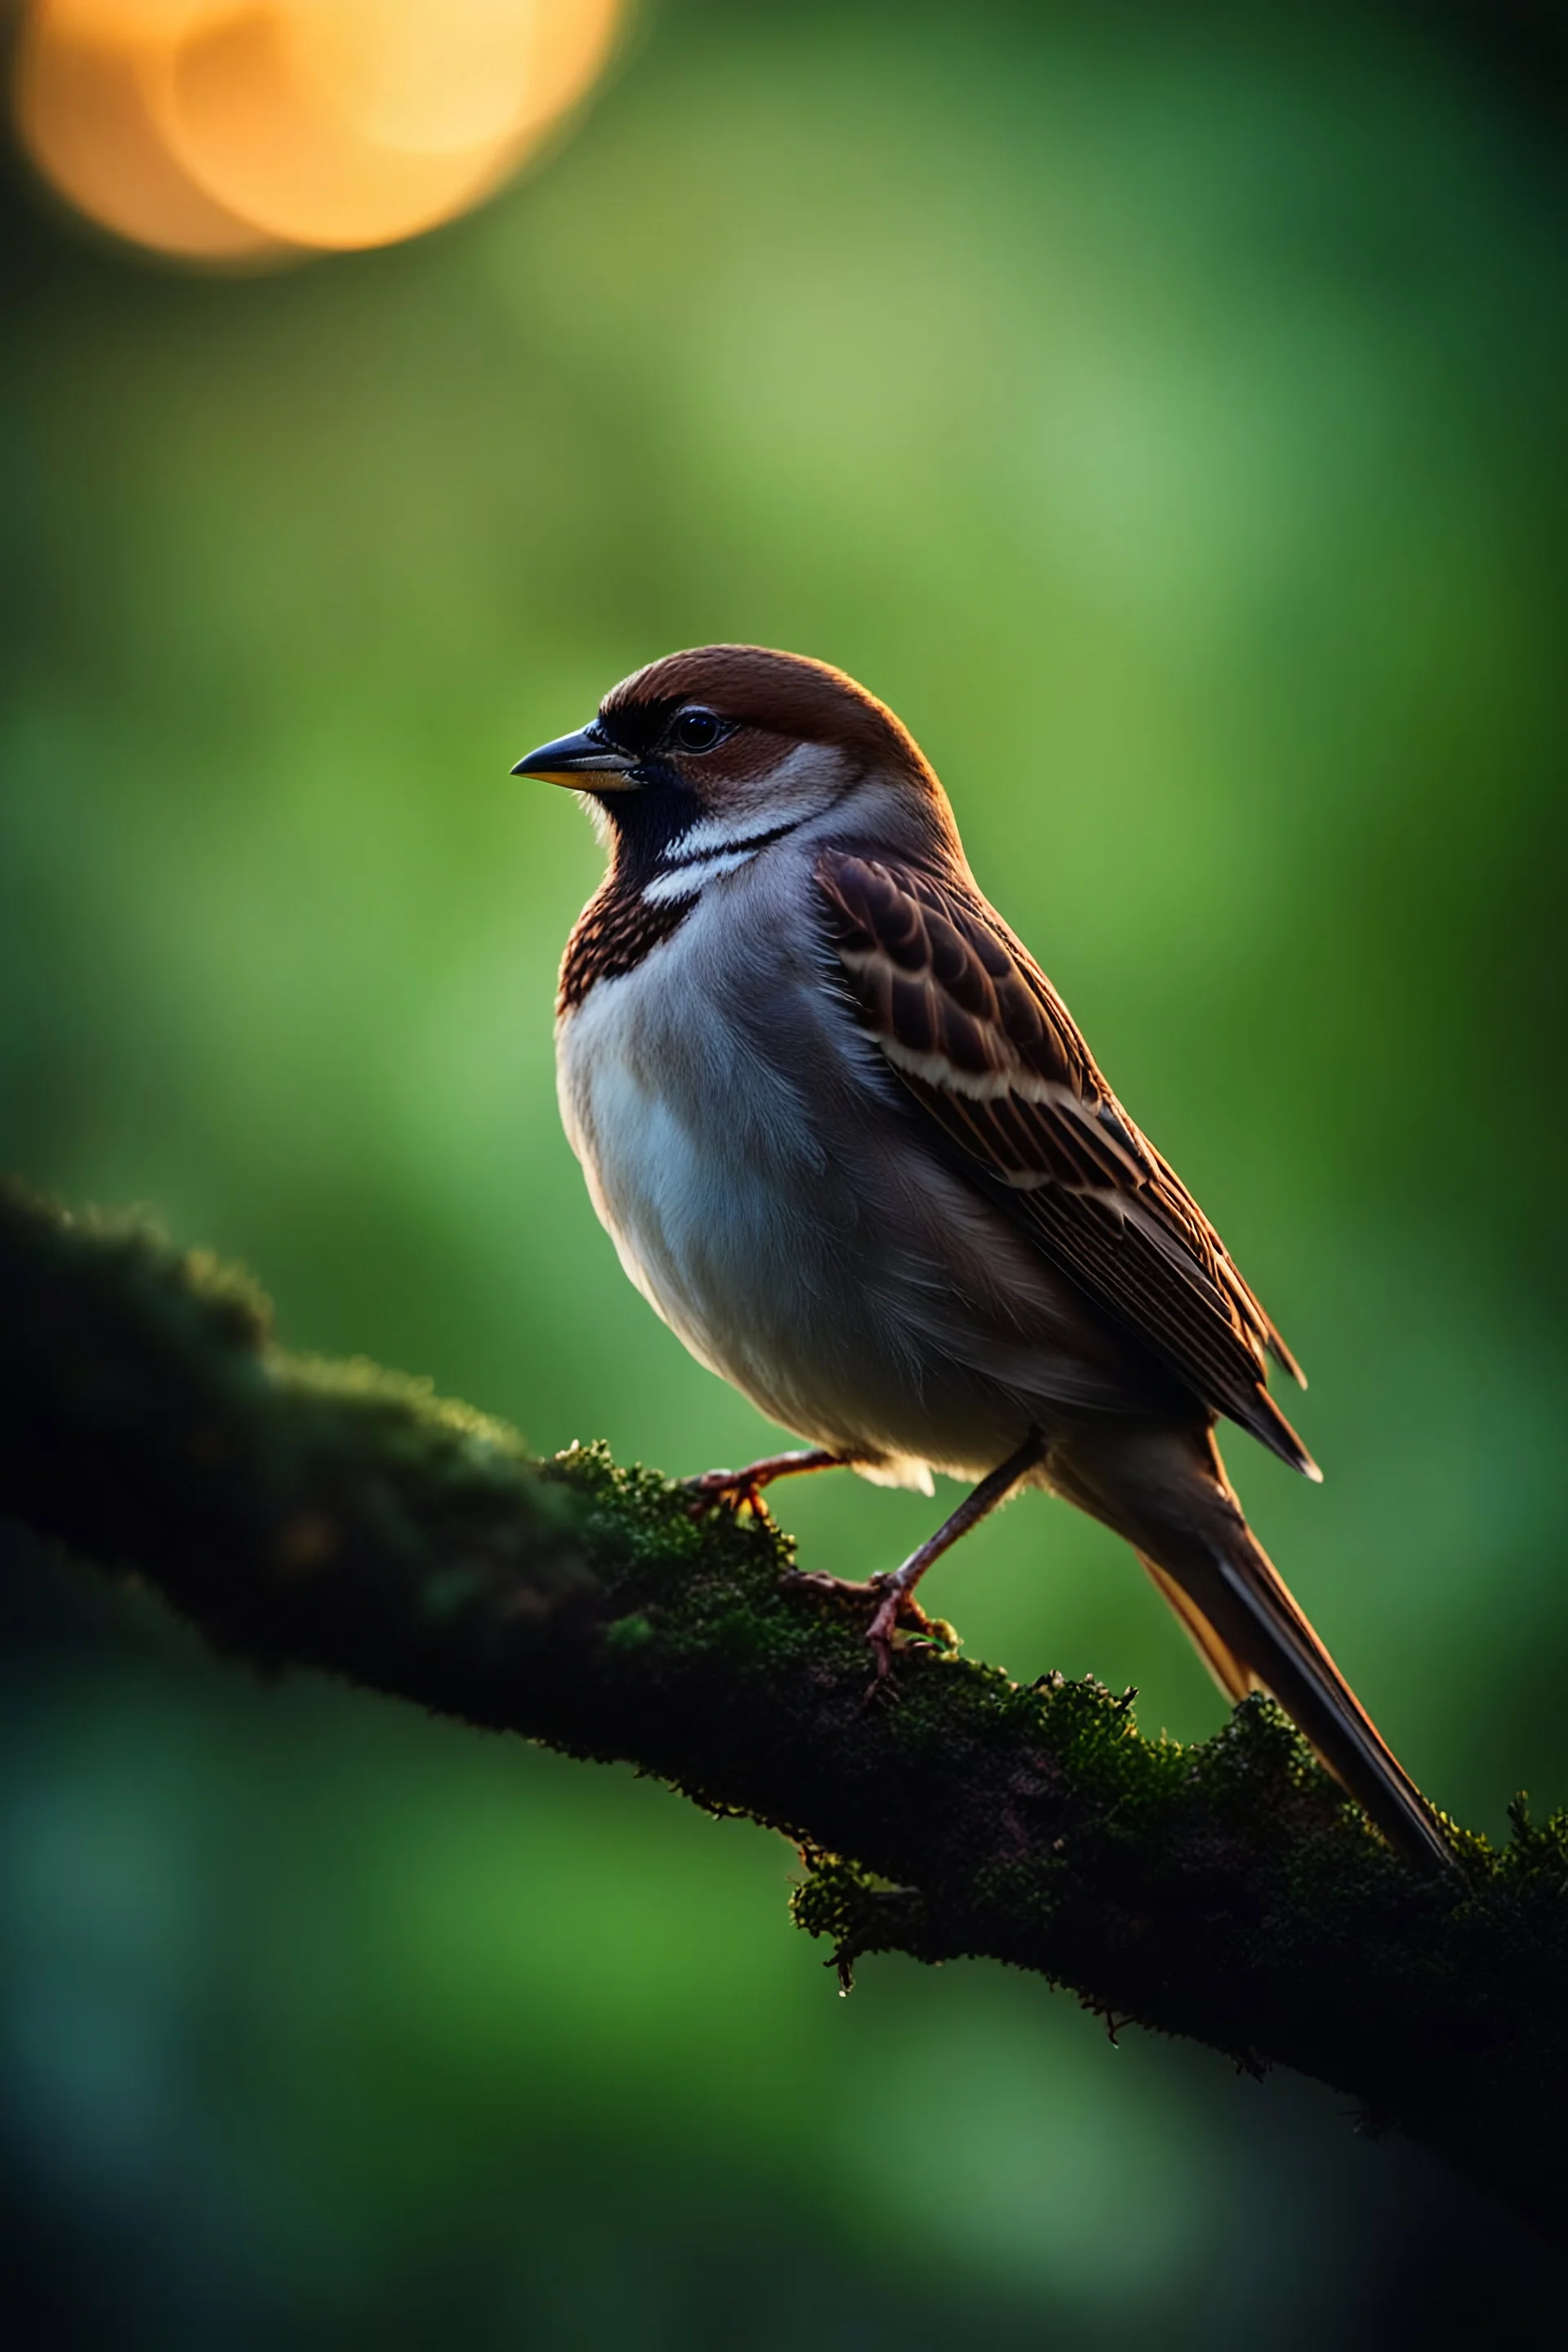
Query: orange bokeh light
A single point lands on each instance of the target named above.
(240, 131)
(84, 109)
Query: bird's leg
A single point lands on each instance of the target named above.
(897, 1587)
(727, 1489)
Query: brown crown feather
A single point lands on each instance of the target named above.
(787, 694)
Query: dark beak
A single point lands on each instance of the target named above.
(587, 761)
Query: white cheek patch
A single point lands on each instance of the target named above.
(796, 789)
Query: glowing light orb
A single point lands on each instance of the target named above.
(235, 131)
(84, 98)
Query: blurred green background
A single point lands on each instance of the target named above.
(1163, 410)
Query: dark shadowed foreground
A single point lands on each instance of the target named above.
(333, 1516)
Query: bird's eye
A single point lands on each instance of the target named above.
(697, 730)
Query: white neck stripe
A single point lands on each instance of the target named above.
(684, 881)
(715, 833)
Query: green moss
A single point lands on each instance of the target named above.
(856, 1911)
(338, 1516)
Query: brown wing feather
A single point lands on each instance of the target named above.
(983, 1044)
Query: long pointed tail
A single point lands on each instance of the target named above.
(1190, 1535)
(1251, 1635)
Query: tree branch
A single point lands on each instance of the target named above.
(336, 1517)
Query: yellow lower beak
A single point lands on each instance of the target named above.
(587, 761)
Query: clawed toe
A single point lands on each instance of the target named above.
(841, 1587)
(896, 1610)
(725, 1490)
(897, 1607)
(817, 1579)
(900, 1604)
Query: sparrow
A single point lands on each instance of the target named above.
(850, 1145)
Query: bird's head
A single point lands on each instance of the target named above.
(729, 743)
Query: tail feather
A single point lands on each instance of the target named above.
(1236, 1681)
(1166, 1490)
(1251, 1633)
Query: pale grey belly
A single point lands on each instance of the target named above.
(789, 1233)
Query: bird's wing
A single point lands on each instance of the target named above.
(984, 1045)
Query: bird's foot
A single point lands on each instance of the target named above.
(896, 1608)
(727, 1490)
(896, 1611)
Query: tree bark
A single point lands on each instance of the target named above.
(335, 1516)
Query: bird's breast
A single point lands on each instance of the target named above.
(750, 1156)
(701, 1149)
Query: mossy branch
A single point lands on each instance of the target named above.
(335, 1516)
